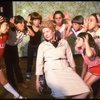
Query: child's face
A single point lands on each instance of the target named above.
(48, 34)
(20, 26)
(92, 23)
(79, 42)
(76, 26)
(58, 19)
(4, 28)
(36, 22)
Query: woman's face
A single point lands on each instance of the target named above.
(48, 34)
(92, 23)
(79, 42)
(58, 19)
(4, 28)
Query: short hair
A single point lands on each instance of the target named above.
(18, 19)
(48, 24)
(4, 19)
(35, 15)
(58, 12)
(78, 19)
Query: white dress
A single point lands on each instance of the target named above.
(60, 77)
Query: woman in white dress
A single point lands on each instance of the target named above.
(54, 56)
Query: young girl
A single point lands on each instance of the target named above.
(4, 27)
(55, 57)
(94, 28)
(86, 45)
(35, 40)
(61, 20)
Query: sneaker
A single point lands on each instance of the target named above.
(28, 77)
(20, 97)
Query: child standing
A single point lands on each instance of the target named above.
(4, 27)
(35, 40)
(61, 20)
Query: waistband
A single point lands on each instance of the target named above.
(59, 59)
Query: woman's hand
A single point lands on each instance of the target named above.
(38, 85)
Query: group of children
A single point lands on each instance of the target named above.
(62, 37)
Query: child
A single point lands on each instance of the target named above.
(4, 27)
(73, 30)
(86, 45)
(94, 27)
(11, 58)
(61, 20)
(55, 57)
(35, 40)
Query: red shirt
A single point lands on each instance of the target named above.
(3, 39)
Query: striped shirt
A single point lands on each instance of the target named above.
(15, 37)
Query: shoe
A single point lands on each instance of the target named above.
(23, 85)
(28, 77)
(20, 97)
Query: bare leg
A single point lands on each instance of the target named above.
(87, 76)
(3, 80)
(7, 86)
(90, 79)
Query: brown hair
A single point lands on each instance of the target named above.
(4, 19)
(78, 19)
(58, 12)
(35, 15)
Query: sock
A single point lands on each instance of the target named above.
(9, 88)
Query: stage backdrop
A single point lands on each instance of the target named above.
(74, 8)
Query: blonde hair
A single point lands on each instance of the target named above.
(48, 24)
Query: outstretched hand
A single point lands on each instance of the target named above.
(67, 16)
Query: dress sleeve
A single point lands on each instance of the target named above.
(39, 61)
(70, 56)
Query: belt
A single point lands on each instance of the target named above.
(59, 59)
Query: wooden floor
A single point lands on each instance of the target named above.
(30, 92)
